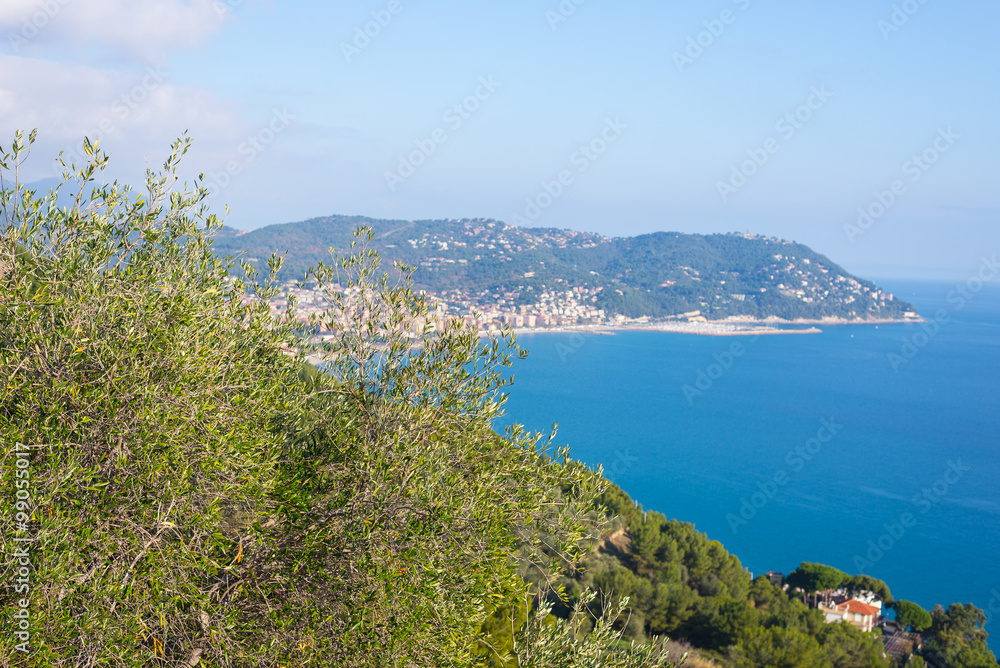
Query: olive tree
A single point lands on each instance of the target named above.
(196, 498)
(144, 382)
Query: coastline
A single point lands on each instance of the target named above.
(764, 327)
(833, 321)
(695, 328)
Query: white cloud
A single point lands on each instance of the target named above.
(147, 29)
(13, 11)
(134, 114)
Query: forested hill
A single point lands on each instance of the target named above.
(479, 261)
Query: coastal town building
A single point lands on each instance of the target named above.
(857, 613)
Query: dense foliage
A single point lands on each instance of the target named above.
(681, 584)
(686, 586)
(195, 498)
(957, 637)
(912, 616)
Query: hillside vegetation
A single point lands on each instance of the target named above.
(189, 492)
(185, 490)
(686, 586)
(661, 274)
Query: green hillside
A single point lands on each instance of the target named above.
(683, 585)
(184, 490)
(659, 275)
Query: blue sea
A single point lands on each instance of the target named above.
(873, 449)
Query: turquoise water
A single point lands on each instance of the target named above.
(802, 448)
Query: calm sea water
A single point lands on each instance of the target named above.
(872, 449)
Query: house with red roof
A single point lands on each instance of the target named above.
(857, 613)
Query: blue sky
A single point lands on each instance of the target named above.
(779, 117)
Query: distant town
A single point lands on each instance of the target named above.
(490, 275)
(571, 309)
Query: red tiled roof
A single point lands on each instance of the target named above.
(860, 608)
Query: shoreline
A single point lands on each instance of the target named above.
(764, 327)
(697, 329)
(830, 321)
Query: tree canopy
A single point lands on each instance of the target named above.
(866, 584)
(957, 637)
(812, 578)
(912, 616)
